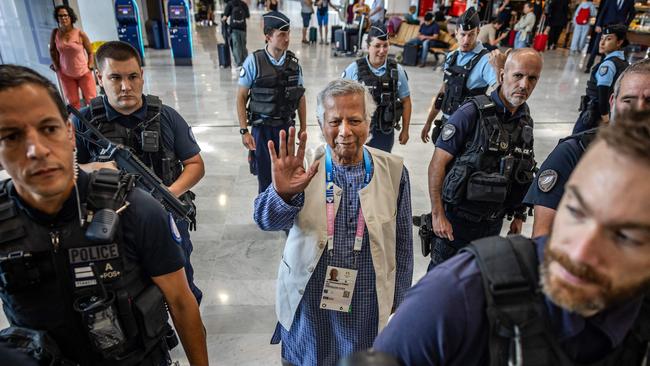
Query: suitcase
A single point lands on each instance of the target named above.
(224, 55)
(511, 38)
(410, 55)
(345, 40)
(313, 35)
(539, 42)
(333, 31)
(457, 8)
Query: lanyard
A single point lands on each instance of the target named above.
(329, 200)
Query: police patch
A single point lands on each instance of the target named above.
(603, 70)
(546, 180)
(176, 235)
(448, 132)
(242, 72)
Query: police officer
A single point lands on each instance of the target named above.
(468, 71)
(631, 91)
(594, 106)
(158, 135)
(98, 288)
(483, 162)
(576, 297)
(270, 91)
(388, 84)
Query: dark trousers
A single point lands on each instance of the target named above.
(186, 244)
(381, 140)
(554, 35)
(593, 50)
(465, 231)
(262, 134)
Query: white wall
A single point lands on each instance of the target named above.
(396, 6)
(98, 19)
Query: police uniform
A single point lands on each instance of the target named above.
(464, 312)
(388, 85)
(92, 294)
(548, 187)
(275, 88)
(600, 85)
(466, 74)
(491, 171)
(159, 136)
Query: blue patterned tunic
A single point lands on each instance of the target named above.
(322, 337)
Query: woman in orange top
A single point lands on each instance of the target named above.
(72, 57)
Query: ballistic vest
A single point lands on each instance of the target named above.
(592, 84)
(46, 270)
(496, 167)
(275, 93)
(520, 331)
(456, 80)
(384, 92)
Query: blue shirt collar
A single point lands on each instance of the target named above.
(112, 114)
(618, 54)
(377, 71)
(478, 48)
(501, 107)
(615, 322)
(274, 61)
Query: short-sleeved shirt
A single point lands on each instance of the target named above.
(487, 33)
(248, 72)
(607, 70)
(548, 187)
(443, 321)
(429, 29)
(176, 134)
(157, 251)
(306, 6)
(378, 16)
(230, 6)
(482, 75)
(463, 123)
(352, 73)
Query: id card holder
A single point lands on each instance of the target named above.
(338, 289)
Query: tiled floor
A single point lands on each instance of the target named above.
(236, 263)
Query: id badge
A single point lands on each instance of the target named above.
(338, 289)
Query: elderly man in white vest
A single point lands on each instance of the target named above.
(348, 260)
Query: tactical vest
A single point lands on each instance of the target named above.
(456, 80)
(520, 331)
(275, 93)
(591, 100)
(49, 274)
(583, 139)
(384, 92)
(145, 140)
(496, 167)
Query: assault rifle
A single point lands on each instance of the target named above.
(128, 162)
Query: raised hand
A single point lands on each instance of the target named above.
(287, 168)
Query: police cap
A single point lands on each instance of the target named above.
(378, 31)
(618, 29)
(276, 20)
(469, 20)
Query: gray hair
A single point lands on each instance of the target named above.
(639, 67)
(340, 87)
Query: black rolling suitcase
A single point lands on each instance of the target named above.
(333, 31)
(410, 55)
(346, 40)
(313, 35)
(224, 55)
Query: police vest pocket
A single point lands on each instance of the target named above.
(264, 95)
(453, 189)
(151, 313)
(486, 187)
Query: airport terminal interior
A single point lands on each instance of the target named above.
(235, 262)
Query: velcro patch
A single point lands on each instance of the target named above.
(448, 131)
(547, 180)
(603, 70)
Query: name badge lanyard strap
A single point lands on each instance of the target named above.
(329, 202)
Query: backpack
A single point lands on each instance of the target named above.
(238, 16)
(583, 16)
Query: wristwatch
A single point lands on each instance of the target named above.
(243, 131)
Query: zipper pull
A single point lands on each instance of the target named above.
(54, 237)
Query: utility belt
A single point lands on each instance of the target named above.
(257, 120)
(437, 128)
(188, 199)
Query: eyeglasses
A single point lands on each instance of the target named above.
(63, 16)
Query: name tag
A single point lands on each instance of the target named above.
(338, 289)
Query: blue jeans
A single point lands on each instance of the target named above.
(186, 245)
(239, 51)
(424, 50)
(579, 39)
(519, 43)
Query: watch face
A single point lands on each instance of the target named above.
(243, 131)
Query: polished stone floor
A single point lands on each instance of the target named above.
(235, 262)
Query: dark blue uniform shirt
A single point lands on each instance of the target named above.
(157, 251)
(443, 321)
(459, 129)
(176, 134)
(548, 187)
